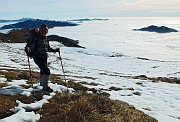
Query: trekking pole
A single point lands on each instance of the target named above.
(30, 72)
(63, 69)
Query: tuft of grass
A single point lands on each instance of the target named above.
(114, 88)
(3, 85)
(84, 107)
(77, 86)
(9, 102)
(6, 104)
(57, 79)
(12, 74)
(158, 79)
(92, 83)
(86, 77)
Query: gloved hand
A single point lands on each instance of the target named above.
(28, 49)
(56, 50)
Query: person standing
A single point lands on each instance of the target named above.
(39, 44)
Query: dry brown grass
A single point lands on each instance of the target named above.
(72, 107)
(14, 36)
(158, 79)
(3, 85)
(8, 102)
(92, 83)
(144, 77)
(12, 74)
(84, 107)
(115, 88)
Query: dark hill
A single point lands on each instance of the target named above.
(13, 36)
(35, 23)
(157, 29)
(16, 36)
(65, 41)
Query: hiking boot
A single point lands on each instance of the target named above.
(41, 80)
(45, 79)
(48, 89)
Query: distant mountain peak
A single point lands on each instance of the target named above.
(35, 23)
(157, 29)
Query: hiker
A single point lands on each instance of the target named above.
(39, 44)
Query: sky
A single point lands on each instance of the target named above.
(62, 9)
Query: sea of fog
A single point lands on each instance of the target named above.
(112, 45)
(114, 53)
(116, 35)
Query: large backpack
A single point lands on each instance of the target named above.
(27, 37)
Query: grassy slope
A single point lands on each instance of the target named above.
(76, 107)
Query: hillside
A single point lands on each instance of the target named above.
(66, 107)
(17, 36)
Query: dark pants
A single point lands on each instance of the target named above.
(41, 62)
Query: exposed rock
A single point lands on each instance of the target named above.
(66, 41)
(14, 36)
(161, 29)
(17, 36)
(137, 93)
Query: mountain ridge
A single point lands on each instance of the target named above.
(35, 23)
(157, 29)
